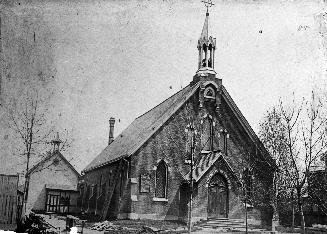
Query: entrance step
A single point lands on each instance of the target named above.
(227, 226)
(224, 223)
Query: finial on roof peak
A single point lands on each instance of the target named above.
(207, 4)
(56, 142)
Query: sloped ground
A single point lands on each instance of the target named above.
(8, 227)
(149, 226)
(139, 226)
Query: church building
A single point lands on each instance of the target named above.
(146, 172)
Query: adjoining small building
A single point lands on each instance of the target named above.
(144, 173)
(53, 184)
(315, 204)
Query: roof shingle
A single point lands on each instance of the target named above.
(141, 129)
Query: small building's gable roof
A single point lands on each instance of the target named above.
(47, 158)
(62, 187)
(143, 127)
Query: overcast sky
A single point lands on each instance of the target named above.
(121, 58)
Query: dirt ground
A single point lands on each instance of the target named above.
(142, 226)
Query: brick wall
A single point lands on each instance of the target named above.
(169, 144)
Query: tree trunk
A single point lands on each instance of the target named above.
(302, 219)
(300, 206)
(27, 182)
(275, 219)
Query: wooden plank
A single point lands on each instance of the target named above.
(111, 189)
(5, 202)
(8, 198)
(11, 209)
(1, 208)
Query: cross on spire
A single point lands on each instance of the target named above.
(207, 4)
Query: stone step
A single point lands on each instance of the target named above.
(223, 226)
(229, 221)
(226, 221)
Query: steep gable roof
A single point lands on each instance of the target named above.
(47, 158)
(143, 127)
(246, 126)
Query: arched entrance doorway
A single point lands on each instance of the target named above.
(217, 197)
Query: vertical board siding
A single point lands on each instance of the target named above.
(8, 198)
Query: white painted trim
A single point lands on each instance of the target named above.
(133, 180)
(248, 205)
(159, 199)
(206, 91)
(187, 161)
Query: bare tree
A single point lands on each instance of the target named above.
(273, 135)
(303, 132)
(28, 118)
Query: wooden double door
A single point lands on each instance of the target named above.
(57, 201)
(217, 197)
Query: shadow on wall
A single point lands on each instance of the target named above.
(173, 212)
(39, 203)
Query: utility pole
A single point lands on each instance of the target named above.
(191, 162)
(244, 177)
(292, 194)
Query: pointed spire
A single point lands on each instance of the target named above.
(206, 47)
(205, 29)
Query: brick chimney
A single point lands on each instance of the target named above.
(111, 130)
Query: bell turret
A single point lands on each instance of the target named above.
(206, 47)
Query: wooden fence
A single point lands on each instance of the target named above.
(8, 198)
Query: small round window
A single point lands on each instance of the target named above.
(55, 161)
(209, 92)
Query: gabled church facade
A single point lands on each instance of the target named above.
(145, 172)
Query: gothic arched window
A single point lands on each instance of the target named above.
(210, 54)
(204, 61)
(207, 135)
(161, 180)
